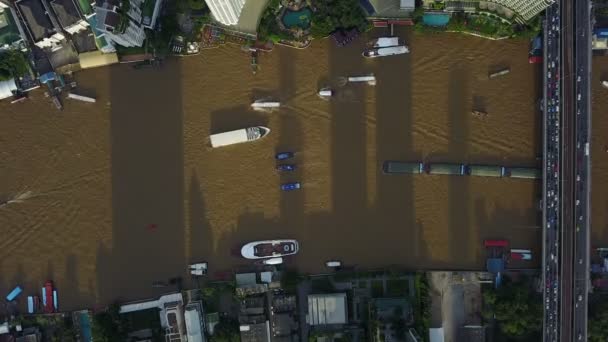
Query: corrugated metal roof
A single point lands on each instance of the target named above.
(327, 309)
(96, 59)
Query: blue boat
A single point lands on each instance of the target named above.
(13, 294)
(284, 155)
(290, 186)
(30, 304)
(286, 167)
(55, 305)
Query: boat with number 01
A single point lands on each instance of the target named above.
(269, 249)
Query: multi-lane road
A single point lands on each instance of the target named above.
(566, 186)
(552, 172)
(582, 165)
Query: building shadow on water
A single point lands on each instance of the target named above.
(147, 182)
(459, 226)
(237, 117)
(394, 214)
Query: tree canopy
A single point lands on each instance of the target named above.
(516, 307)
(598, 319)
(330, 15)
(12, 64)
(108, 326)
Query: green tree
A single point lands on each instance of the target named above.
(516, 307)
(330, 15)
(227, 330)
(598, 319)
(197, 4)
(12, 64)
(108, 326)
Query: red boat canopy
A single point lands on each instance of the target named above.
(496, 243)
(535, 59)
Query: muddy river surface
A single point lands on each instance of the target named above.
(115, 195)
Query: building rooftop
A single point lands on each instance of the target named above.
(255, 332)
(392, 8)
(9, 32)
(67, 12)
(327, 309)
(436, 335)
(36, 19)
(194, 322)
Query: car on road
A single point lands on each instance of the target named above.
(291, 186)
(284, 155)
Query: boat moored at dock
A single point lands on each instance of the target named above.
(238, 136)
(385, 46)
(14, 293)
(269, 249)
(81, 98)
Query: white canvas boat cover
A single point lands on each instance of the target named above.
(7, 87)
(393, 50)
(387, 41)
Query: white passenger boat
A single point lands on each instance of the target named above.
(385, 46)
(264, 104)
(605, 84)
(269, 249)
(239, 136)
(370, 79)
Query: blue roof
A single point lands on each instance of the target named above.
(11, 296)
(49, 76)
(601, 32)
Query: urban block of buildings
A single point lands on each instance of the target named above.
(226, 12)
(517, 10)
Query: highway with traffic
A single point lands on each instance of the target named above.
(582, 124)
(566, 169)
(551, 172)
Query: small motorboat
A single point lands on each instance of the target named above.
(273, 261)
(325, 93)
(286, 167)
(291, 186)
(284, 155)
(479, 114)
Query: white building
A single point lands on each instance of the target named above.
(527, 9)
(226, 12)
(524, 9)
(126, 31)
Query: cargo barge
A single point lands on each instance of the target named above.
(401, 167)
(392, 167)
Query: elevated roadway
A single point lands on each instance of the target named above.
(566, 170)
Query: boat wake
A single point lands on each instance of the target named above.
(18, 198)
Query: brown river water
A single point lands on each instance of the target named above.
(127, 191)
